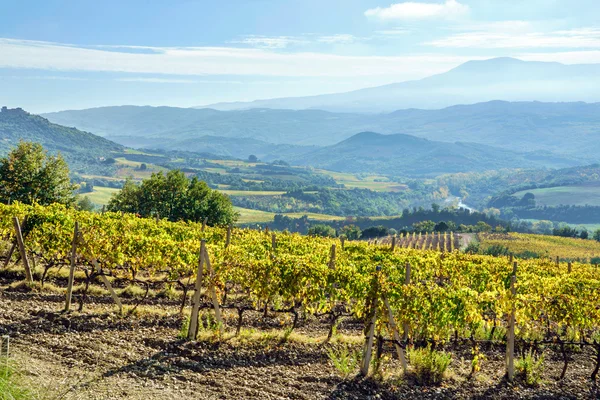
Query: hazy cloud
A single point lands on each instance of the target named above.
(519, 38)
(416, 10)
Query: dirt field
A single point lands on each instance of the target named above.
(97, 354)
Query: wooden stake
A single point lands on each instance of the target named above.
(510, 345)
(193, 326)
(108, 286)
(332, 257)
(10, 253)
(273, 242)
(557, 261)
(367, 351)
(394, 328)
(213, 291)
(228, 239)
(405, 326)
(204, 222)
(515, 265)
(21, 245)
(368, 348)
(570, 267)
(72, 269)
(393, 242)
(343, 240)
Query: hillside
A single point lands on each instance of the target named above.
(570, 129)
(82, 150)
(406, 154)
(472, 82)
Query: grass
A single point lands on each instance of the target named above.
(248, 216)
(586, 194)
(101, 195)
(10, 386)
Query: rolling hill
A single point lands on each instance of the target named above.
(568, 129)
(405, 154)
(82, 150)
(472, 82)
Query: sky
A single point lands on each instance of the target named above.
(75, 54)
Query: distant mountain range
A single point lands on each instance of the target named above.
(405, 154)
(507, 79)
(394, 154)
(82, 150)
(565, 129)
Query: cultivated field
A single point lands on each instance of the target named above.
(580, 195)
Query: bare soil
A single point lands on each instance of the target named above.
(96, 354)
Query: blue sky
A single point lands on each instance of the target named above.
(71, 54)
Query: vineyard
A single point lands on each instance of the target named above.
(416, 291)
(528, 246)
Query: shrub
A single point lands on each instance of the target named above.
(429, 365)
(472, 248)
(497, 250)
(530, 368)
(344, 360)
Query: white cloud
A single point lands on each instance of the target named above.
(340, 38)
(393, 32)
(221, 61)
(409, 10)
(155, 80)
(497, 38)
(267, 42)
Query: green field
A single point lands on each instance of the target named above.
(377, 183)
(248, 216)
(579, 195)
(101, 195)
(251, 193)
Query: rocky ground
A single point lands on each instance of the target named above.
(96, 354)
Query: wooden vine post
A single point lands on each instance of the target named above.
(204, 222)
(228, 238)
(273, 242)
(510, 337)
(557, 261)
(368, 348)
(72, 267)
(106, 282)
(570, 267)
(405, 326)
(343, 240)
(332, 257)
(21, 244)
(393, 242)
(396, 335)
(213, 291)
(193, 326)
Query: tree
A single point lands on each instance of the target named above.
(30, 175)
(351, 232)
(584, 234)
(597, 235)
(175, 197)
(143, 167)
(374, 232)
(321, 230)
(252, 158)
(441, 227)
(423, 226)
(85, 204)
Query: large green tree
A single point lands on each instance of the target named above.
(30, 175)
(175, 197)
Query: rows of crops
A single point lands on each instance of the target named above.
(449, 295)
(439, 241)
(527, 245)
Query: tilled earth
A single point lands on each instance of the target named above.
(98, 355)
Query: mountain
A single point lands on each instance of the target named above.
(234, 147)
(82, 150)
(401, 154)
(567, 129)
(504, 78)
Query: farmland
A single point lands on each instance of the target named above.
(579, 195)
